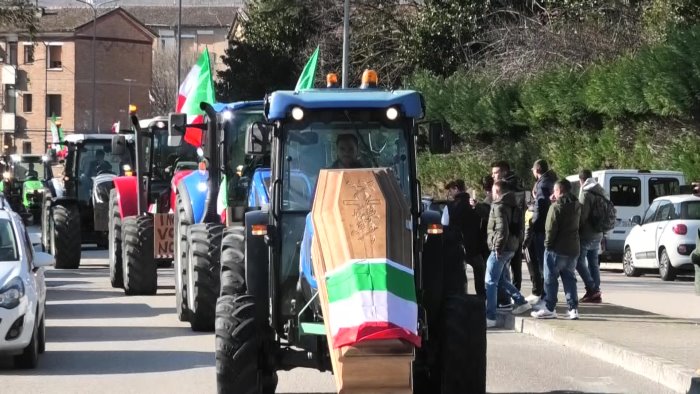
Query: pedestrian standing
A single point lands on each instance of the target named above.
(503, 243)
(501, 170)
(561, 252)
(462, 228)
(542, 192)
(588, 266)
(483, 208)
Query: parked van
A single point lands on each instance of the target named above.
(631, 191)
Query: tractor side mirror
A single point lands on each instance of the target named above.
(439, 137)
(257, 142)
(177, 123)
(118, 145)
(636, 219)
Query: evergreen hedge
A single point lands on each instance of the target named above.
(640, 111)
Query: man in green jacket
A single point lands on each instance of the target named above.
(503, 240)
(562, 246)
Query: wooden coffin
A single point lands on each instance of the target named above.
(360, 214)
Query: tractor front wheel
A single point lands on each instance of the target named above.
(116, 275)
(65, 236)
(140, 272)
(233, 261)
(239, 348)
(203, 273)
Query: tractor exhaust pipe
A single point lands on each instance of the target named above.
(211, 153)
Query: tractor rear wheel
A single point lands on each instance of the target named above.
(140, 273)
(179, 256)
(116, 275)
(238, 348)
(203, 272)
(65, 236)
(233, 261)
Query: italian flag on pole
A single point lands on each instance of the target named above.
(57, 138)
(198, 86)
(372, 299)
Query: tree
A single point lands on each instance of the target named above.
(20, 14)
(163, 90)
(270, 52)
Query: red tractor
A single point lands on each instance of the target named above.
(140, 206)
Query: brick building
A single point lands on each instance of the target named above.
(57, 64)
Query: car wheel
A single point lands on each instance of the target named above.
(42, 335)
(666, 270)
(30, 355)
(628, 264)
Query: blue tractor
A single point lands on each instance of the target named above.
(209, 200)
(267, 317)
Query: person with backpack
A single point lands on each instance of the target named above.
(544, 186)
(503, 240)
(593, 215)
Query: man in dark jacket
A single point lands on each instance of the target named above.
(541, 193)
(588, 267)
(501, 170)
(561, 252)
(503, 244)
(462, 227)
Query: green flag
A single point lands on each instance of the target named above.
(306, 80)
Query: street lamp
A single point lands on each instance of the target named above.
(94, 33)
(129, 80)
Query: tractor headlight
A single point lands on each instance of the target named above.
(127, 170)
(392, 113)
(297, 113)
(12, 293)
(6, 176)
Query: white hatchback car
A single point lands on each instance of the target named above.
(664, 238)
(22, 292)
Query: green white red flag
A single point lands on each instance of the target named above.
(372, 299)
(57, 139)
(197, 87)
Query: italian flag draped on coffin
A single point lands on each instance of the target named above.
(372, 299)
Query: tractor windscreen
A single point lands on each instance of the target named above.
(169, 156)
(237, 164)
(29, 170)
(95, 158)
(354, 143)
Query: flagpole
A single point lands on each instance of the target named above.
(179, 39)
(346, 42)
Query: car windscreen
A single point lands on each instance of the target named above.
(690, 210)
(8, 243)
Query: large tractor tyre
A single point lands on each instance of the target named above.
(239, 349)
(233, 261)
(140, 273)
(203, 272)
(116, 275)
(463, 327)
(180, 269)
(65, 236)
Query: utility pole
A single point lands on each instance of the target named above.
(94, 75)
(346, 42)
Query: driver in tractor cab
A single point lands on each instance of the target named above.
(31, 172)
(347, 149)
(98, 165)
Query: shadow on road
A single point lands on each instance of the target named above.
(80, 295)
(611, 312)
(102, 310)
(116, 334)
(108, 362)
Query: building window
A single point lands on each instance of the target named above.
(12, 54)
(27, 147)
(53, 105)
(27, 102)
(54, 57)
(28, 53)
(10, 99)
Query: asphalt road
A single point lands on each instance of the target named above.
(100, 341)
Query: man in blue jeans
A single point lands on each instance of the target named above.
(561, 245)
(503, 241)
(588, 267)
